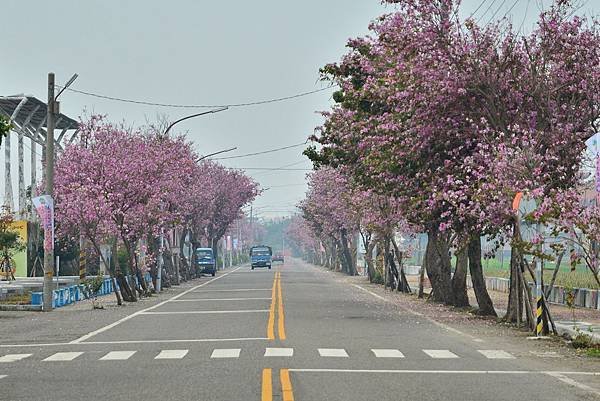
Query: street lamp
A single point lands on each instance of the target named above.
(216, 153)
(194, 115)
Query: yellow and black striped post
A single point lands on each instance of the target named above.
(82, 269)
(539, 326)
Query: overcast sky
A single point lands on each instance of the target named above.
(202, 52)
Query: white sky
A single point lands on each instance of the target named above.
(201, 52)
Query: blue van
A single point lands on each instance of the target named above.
(260, 256)
(205, 261)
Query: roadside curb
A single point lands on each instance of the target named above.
(20, 308)
(580, 328)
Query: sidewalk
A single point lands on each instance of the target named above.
(570, 322)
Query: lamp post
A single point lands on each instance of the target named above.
(53, 110)
(162, 231)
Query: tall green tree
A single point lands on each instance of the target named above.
(5, 127)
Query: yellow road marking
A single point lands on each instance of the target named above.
(281, 317)
(271, 321)
(267, 385)
(286, 385)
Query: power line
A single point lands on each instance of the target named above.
(477, 9)
(197, 106)
(485, 12)
(303, 160)
(272, 168)
(498, 9)
(287, 185)
(524, 17)
(513, 6)
(261, 153)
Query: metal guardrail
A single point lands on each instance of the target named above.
(77, 292)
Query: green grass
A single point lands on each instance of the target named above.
(580, 278)
(593, 352)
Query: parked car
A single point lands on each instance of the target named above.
(205, 261)
(278, 257)
(260, 256)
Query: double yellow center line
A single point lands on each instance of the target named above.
(287, 394)
(276, 309)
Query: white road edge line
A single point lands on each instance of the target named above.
(473, 372)
(193, 340)
(220, 299)
(190, 340)
(126, 318)
(442, 325)
(206, 312)
(235, 290)
(573, 383)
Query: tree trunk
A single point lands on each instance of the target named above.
(112, 276)
(422, 276)
(369, 259)
(133, 263)
(387, 273)
(514, 310)
(486, 307)
(347, 255)
(126, 292)
(402, 281)
(459, 280)
(438, 267)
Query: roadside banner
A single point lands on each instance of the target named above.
(44, 205)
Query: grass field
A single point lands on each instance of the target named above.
(580, 278)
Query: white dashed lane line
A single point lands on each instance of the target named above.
(226, 353)
(13, 357)
(440, 354)
(495, 354)
(279, 352)
(333, 352)
(172, 354)
(219, 353)
(118, 356)
(63, 356)
(387, 353)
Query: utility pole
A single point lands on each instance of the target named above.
(251, 228)
(49, 169)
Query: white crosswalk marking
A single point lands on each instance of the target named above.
(279, 352)
(117, 356)
(63, 356)
(387, 353)
(226, 353)
(333, 352)
(440, 353)
(495, 354)
(2, 376)
(172, 354)
(13, 357)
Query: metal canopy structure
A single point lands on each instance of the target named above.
(28, 116)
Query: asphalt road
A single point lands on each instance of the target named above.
(291, 333)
